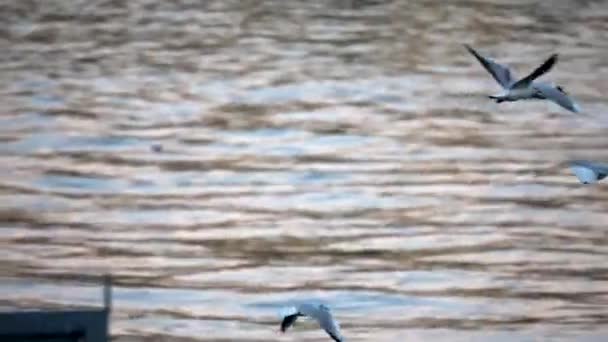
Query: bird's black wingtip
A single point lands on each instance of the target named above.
(334, 337)
(496, 98)
(553, 58)
(473, 52)
(288, 321)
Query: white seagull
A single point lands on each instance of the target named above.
(589, 172)
(321, 314)
(525, 88)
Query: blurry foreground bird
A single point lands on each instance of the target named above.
(321, 314)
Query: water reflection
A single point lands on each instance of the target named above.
(333, 151)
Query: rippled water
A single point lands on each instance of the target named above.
(226, 159)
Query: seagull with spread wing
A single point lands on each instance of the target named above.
(321, 314)
(589, 172)
(527, 87)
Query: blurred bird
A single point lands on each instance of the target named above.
(321, 314)
(525, 88)
(588, 172)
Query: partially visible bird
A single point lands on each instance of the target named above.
(321, 314)
(525, 88)
(588, 172)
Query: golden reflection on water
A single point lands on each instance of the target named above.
(226, 159)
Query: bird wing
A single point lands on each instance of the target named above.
(588, 172)
(600, 169)
(288, 321)
(541, 70)
(335, 337)
(552, 93)
(326, 320)
(585, 175)
(501, 73)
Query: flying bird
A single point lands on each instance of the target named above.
(525, 88)
(321, 314)
(589, 172)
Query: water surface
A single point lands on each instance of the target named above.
(227, 159)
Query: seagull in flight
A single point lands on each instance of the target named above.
(525, 88)
(321, 314)
(589, 172)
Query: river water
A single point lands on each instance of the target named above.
(227, 159)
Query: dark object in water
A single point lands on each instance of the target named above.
(156, 148)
